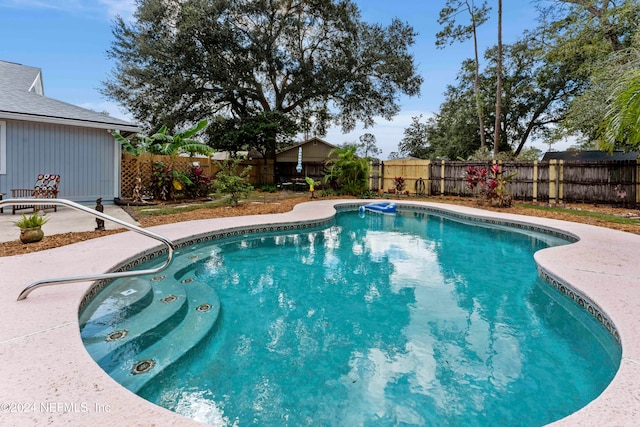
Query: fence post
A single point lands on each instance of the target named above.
(535, 182)
(442, 170)
(553, 171)
(637, 181)
(428, 179)
(556, 182)
(374, 176)
(560, 179)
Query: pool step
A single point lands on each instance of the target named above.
(108, 344)
(129, 296)
(184, 266)
(203, 309)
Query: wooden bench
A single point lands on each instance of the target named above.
(46, 187)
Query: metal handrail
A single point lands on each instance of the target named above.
(64, 202)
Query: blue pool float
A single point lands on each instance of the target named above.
(381, 207)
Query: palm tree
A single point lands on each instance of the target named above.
(622, 120)
(496, 138)
(348, 170)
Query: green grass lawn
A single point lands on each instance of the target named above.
(187, 205)
(584, 213)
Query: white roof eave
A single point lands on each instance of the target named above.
(69, 122)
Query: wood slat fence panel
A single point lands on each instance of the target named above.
(553, 182)
(597, 182)
(410, 170)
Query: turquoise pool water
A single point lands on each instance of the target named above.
(410, 319)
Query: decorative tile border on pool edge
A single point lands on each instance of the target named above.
(153, 253)
(582, 301)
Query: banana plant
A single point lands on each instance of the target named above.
(163, 143)
(312, 185)
(180, 143)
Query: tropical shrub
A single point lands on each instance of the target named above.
(161, 179)
(201, 183)
(349, 172)
(165, 181)
(228, 181)
(491, 184)
(399, 183)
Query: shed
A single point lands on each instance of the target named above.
(315, 153)
(43, 135)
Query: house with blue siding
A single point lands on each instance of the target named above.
(43, 135)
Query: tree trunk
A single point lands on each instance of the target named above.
(476, 83)
(496, 140)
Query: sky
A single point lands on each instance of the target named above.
(68, 40)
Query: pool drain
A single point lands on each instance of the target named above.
(142, 367)
(117, 335)
(168, 299)
(203, 307)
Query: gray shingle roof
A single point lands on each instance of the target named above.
(16, 101)
(589, 156)
(306, 141)
(16, 76)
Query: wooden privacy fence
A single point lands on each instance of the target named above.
(258, 174)
(553, 182)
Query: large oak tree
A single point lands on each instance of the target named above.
(315, 61)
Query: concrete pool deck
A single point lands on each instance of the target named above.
(65, 220)
(47, 377)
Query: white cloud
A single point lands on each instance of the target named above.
(388, 133)
(39, 4)
(124, 8)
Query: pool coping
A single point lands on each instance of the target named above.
(48, 377)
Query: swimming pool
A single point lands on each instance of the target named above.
(418, 319)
